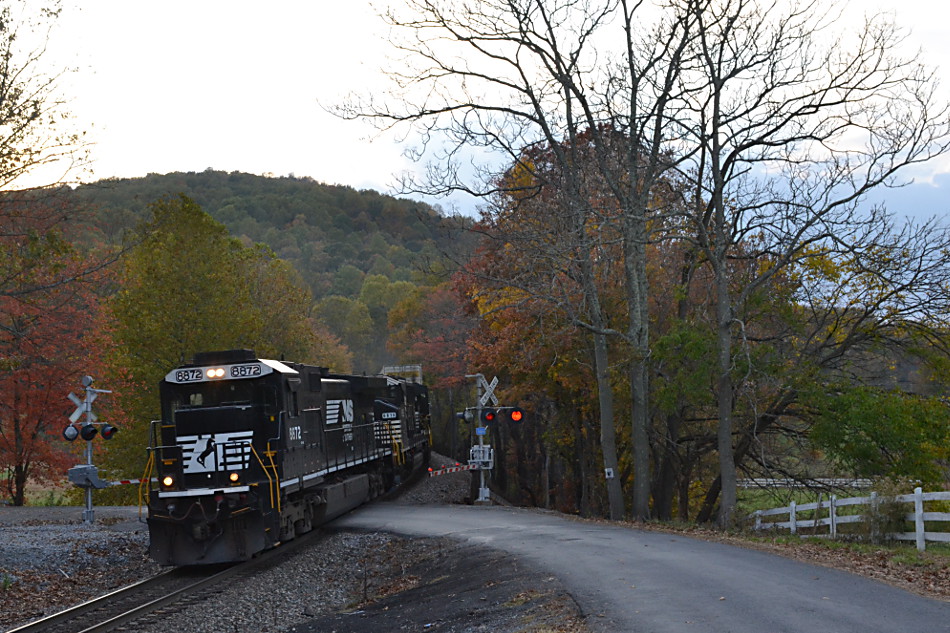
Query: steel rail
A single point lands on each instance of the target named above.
(113, 615)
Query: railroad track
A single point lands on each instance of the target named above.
(128, 608)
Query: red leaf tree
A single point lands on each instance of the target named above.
(48, 315)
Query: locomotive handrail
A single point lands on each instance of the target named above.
(146, 478)
(397, 444)
(367, 432)
(270, 480)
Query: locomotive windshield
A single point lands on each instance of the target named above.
(208, 395)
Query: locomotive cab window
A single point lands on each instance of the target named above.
(203, 396)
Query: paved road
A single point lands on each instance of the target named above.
(627, 580)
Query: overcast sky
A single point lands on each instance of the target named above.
(234, 85)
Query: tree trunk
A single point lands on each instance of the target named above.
(684, 483)
(608, 434)
(664, 485)
(727, 462)
(638, 334)
(19, 485)
(580, 475)
(639, 385)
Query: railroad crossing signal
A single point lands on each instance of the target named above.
(87, 430)
(86, 475)
(482, 456)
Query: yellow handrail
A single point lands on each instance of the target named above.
(397, 444)
(146, 478)
(271, 480)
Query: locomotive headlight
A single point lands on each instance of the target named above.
(168, 481)
(234, 477)
(215, 372)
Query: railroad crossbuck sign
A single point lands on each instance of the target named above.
(489, 391)
(83, 406)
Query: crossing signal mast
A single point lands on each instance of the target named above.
(481, 455)
(86, 475)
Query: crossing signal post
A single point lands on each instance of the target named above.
(484, 415)
(86, 475)
(481, 456)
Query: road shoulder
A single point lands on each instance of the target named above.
(455, 588)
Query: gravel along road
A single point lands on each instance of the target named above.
(365, 581)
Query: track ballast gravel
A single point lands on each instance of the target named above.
(50, 560)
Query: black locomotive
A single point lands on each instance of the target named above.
(252, 452)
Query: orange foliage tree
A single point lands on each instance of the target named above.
(430, 327)
(46, 345)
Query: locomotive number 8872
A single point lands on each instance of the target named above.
(250, 452)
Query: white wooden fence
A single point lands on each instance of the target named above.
(833, 519)
(836, 482)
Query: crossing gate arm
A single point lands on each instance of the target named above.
(452, 469)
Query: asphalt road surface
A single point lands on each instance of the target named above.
(627, 580)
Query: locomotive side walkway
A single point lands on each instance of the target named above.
(625, 579)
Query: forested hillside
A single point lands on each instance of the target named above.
(360, 252)
(334, 235)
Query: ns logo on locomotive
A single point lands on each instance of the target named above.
(252, 452)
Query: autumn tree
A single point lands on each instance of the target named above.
(790, 135)
(189, 287)
(36, 144)
(856, 327)
(34, 135)
(882, 433)
(48, 340)
(379, 294)
(430, 326)
(724, 126)
(509, 77)
(545, 364)
(349, 320)
(46, 306)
